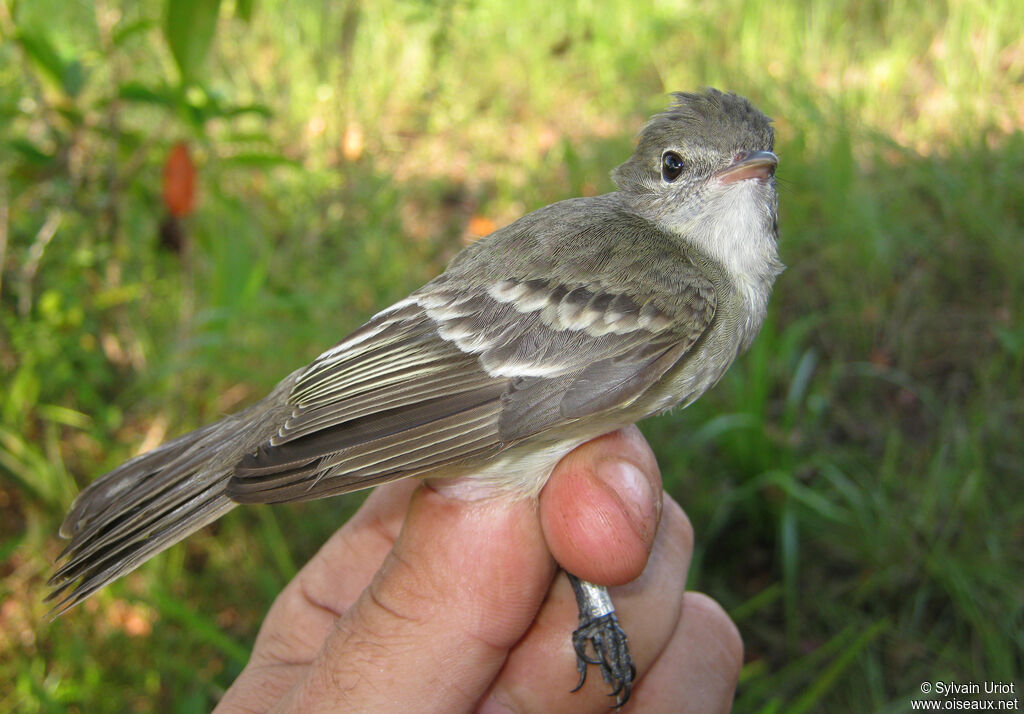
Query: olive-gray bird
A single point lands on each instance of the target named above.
(577, 319)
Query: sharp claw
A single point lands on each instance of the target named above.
(583, 676)
(611, 654)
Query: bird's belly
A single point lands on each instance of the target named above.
(519, 472)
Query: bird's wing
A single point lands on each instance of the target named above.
(456, 372)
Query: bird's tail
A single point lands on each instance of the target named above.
(132, 513)
(150, 503)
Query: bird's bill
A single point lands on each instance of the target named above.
(750, 165)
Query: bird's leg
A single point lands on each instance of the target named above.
(608, 645)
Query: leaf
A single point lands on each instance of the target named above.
(189, 29)
(73, 78)
(179, 184)
(248, 137)
(123, 33)
(239, 109)
(210, 105)
(260, 160)
(41, 51)
(71, 113)
(243, 10)
(69, 75)
(160, 95)
(121, 295)
(30, 152)
(65, 416)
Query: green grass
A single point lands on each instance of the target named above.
(855, 481)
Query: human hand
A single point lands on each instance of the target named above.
(422, 602)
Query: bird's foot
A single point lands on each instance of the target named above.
(602, 641)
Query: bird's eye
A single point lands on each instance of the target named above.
(671, 165)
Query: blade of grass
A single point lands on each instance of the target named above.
(813, 695)
(205, 629)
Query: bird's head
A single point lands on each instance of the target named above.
(704, 169)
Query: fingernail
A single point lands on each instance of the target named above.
(634, 490)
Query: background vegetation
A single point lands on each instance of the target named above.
(855, 482)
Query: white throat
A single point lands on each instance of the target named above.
(736, 228)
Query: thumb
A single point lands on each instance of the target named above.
(461, 586)
(600, 509)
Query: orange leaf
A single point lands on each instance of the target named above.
(481, 225)
(179, 182)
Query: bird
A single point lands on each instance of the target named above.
(577, 319)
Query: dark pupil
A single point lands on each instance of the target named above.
(671, 165)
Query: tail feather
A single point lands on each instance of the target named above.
(122, 483)
(150, 503)
(139, 509)
(77, 584)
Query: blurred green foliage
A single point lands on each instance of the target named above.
(855, 481)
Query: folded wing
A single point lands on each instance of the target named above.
(458, 372)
